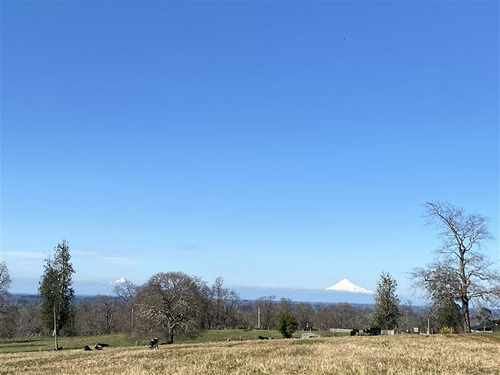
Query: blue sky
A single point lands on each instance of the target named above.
(275, 144)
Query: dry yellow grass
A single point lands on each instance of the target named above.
(437, 354)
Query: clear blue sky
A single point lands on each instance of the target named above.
(275, 144)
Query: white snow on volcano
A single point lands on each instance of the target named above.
(120, 280)
(345, 285)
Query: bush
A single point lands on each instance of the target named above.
(286, 324)
(446, 330)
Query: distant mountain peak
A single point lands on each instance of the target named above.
(345, 285)
(120, 280)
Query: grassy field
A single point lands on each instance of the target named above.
(408, 354)
(120, 340)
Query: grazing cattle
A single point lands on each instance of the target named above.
(103, 345)
(355, 332)
(87, 348)
(98, 347)
(153, 344)
(263, 338)
(58, 348)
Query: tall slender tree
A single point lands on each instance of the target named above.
(56, 291)
(386, 310)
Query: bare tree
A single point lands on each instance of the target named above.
(30, 322)
(5, 281)
(170, 302)
(267, 308)
(286, 304)
(325, 318)
(410, 318)
(222, 305)
(342, 315)
(127, 292)
(108, 308)
(9, 320)
(462, 271)
(304, 314)
(88, 318)
(8, 312)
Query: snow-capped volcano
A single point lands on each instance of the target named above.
(345, 285)
(120, 280)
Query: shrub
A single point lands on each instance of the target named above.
(446, 330)
(286, 324)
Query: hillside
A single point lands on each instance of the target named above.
(411, 354)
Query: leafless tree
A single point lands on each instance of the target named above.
(30, 322)
(267, 308)
(342, 315)
(304, 314)
(325, 318)
(5, 281)
(127, 292)
(8, 312)
(170, 302)
(9, 320)
(108, 308)
(222, 305)
(461, 270)
(286, 305)
(409, 318)
(87, 318)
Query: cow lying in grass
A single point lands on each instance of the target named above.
(98, 346)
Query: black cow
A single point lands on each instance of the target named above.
(87, 348)
(103, 345)
(153, 344)
(98, 347)
(263, 338)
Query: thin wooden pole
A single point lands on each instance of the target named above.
(55, 329)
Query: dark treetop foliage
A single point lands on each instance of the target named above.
(385, 309)
(55, 289)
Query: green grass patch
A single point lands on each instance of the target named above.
(236, 335)
(46, 343)
(225, 335)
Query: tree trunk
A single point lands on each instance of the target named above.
(170, 336)
(463, 292)
(55, 330)
(132, 320)
(465, 316)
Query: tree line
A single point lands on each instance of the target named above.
(172, 303)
